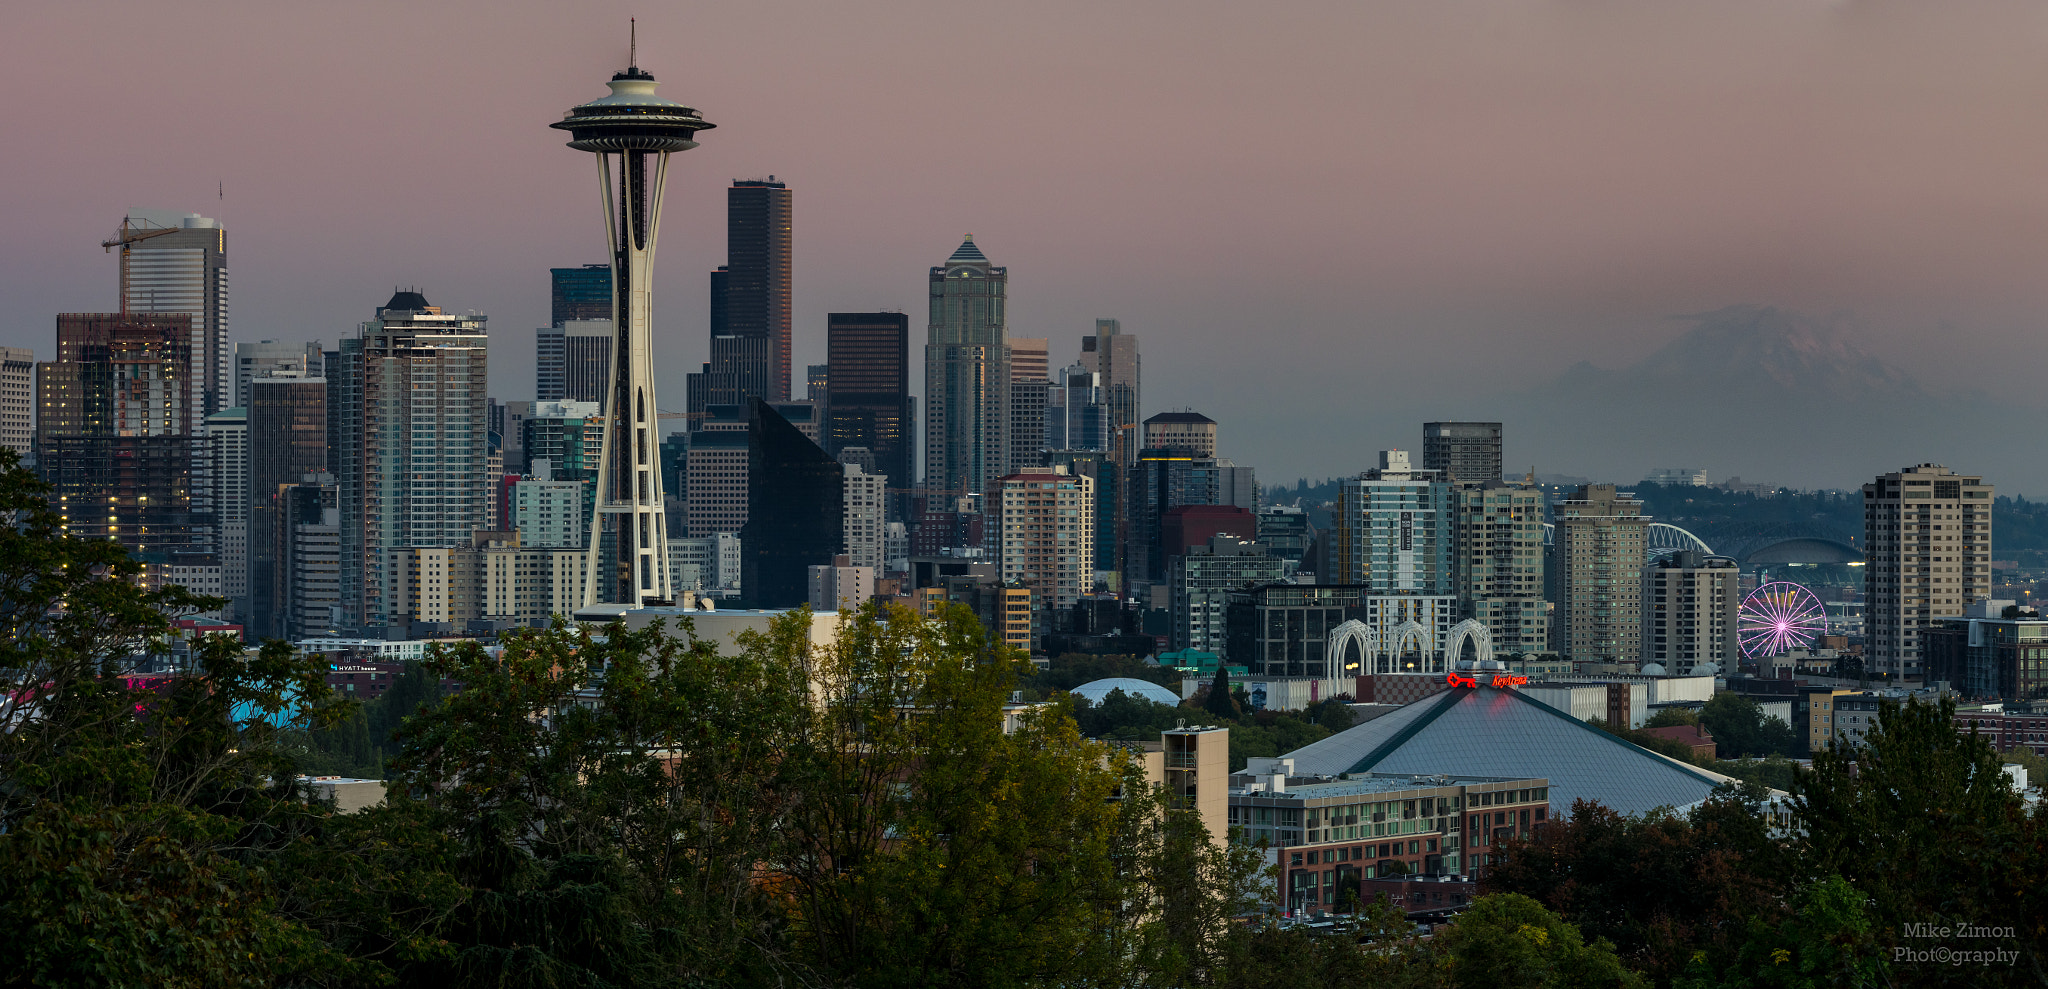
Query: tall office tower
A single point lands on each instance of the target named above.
(1689, 610)
(287, 440)
(717, 474)
(632, 132)
(1030, 381)
(1113, 355)
(1498, 557)
(1393, 530)
(756, 301)
(675, 483)
(818, 382)
(116, 435)
(867, 391)
(550, 375)
(581, 293)
(1163, 480)
(1200, 582)
(966, 374)
(1075, 416)
(573, 361)
(1189, 431)
(411, 385)
(227, 441)
(312, 572)
(1045, 538)
(1462, 452)
(1287, 533)
(178, 263)
(1600, 546)
(1927, 552)
(866, 517)
(796, 510)
(17, 400)
(263, 358)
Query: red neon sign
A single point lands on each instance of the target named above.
(1496, 680)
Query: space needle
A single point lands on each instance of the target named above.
(632, 132)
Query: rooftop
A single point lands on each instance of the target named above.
(1369, 784)
(967, 253)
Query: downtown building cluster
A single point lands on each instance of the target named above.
(375, 489)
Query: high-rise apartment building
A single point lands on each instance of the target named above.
(1601, 540)
(866, 517)
(1030, 387)
(227, 441)
(178, 263)
(263, 358)
(1497, 532)
(411, 385)
(867, 391)
(1927, 556)
(17, 400)
(752, 301)
(1462, 452)
(967, 374)
(548, 512)
(287, 419)
(581, 293)
(796, 514)
(567, 435)
(1393, 530)
(1188, 431)
(116, 434)
(1689, 607)
(1045, 538)
(1113, 355)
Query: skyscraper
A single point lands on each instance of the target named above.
(1601, 540)
(1163, 480)
(756, 296)
(1113, 355)
(632, 132)
(1393, 530)
(1188, 431)
(1462, 452)
(411, 386)
(263, 358)
(1927, 556)
(227, 442)
(581, 293)
(1075, 418)
(1030, 388)
(17, 400)
(967, 374)
(116, 435)
(287, 419)
(1046, 537)
(1498, 557)
(1689, 613)
(173, 263)
(796, 514)
(867, 390)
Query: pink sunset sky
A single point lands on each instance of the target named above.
(1325, 220)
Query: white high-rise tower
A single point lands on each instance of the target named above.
(632, 132)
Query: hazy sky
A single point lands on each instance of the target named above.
(1324, 220)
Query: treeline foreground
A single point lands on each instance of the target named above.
(634, 809)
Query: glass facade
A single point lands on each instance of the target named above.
(867, 399)
(795, 511)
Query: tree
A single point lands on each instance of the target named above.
(1220, 702)
(1916, 784)
(1828, 940)
(139, 815)
(1509, 940)
(1740, 728)
(1673, 717)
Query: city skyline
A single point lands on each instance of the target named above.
(1543, 286)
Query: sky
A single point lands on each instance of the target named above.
(1325, 221)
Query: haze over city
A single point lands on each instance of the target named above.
(1327, 222)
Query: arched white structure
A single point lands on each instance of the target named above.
(1661, 539)
(1347, 633)
(1470, 628)
(1398, 639)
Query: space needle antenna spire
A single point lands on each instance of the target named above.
(632, 132)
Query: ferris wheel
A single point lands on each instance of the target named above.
(1778, 617)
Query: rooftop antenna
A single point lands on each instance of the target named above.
(632, 42)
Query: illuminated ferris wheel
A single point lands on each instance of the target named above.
(1779, 617)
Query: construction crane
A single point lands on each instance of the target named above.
(131, 235)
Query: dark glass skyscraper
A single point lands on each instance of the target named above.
(582, 293)
(867, 390)
(755, 300)
(1462, 452)
(796, 497)
(287, 441)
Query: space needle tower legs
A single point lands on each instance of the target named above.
(632, 132)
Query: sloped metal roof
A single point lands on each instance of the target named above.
(1489, 732)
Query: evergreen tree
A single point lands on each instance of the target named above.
(1221, 702)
